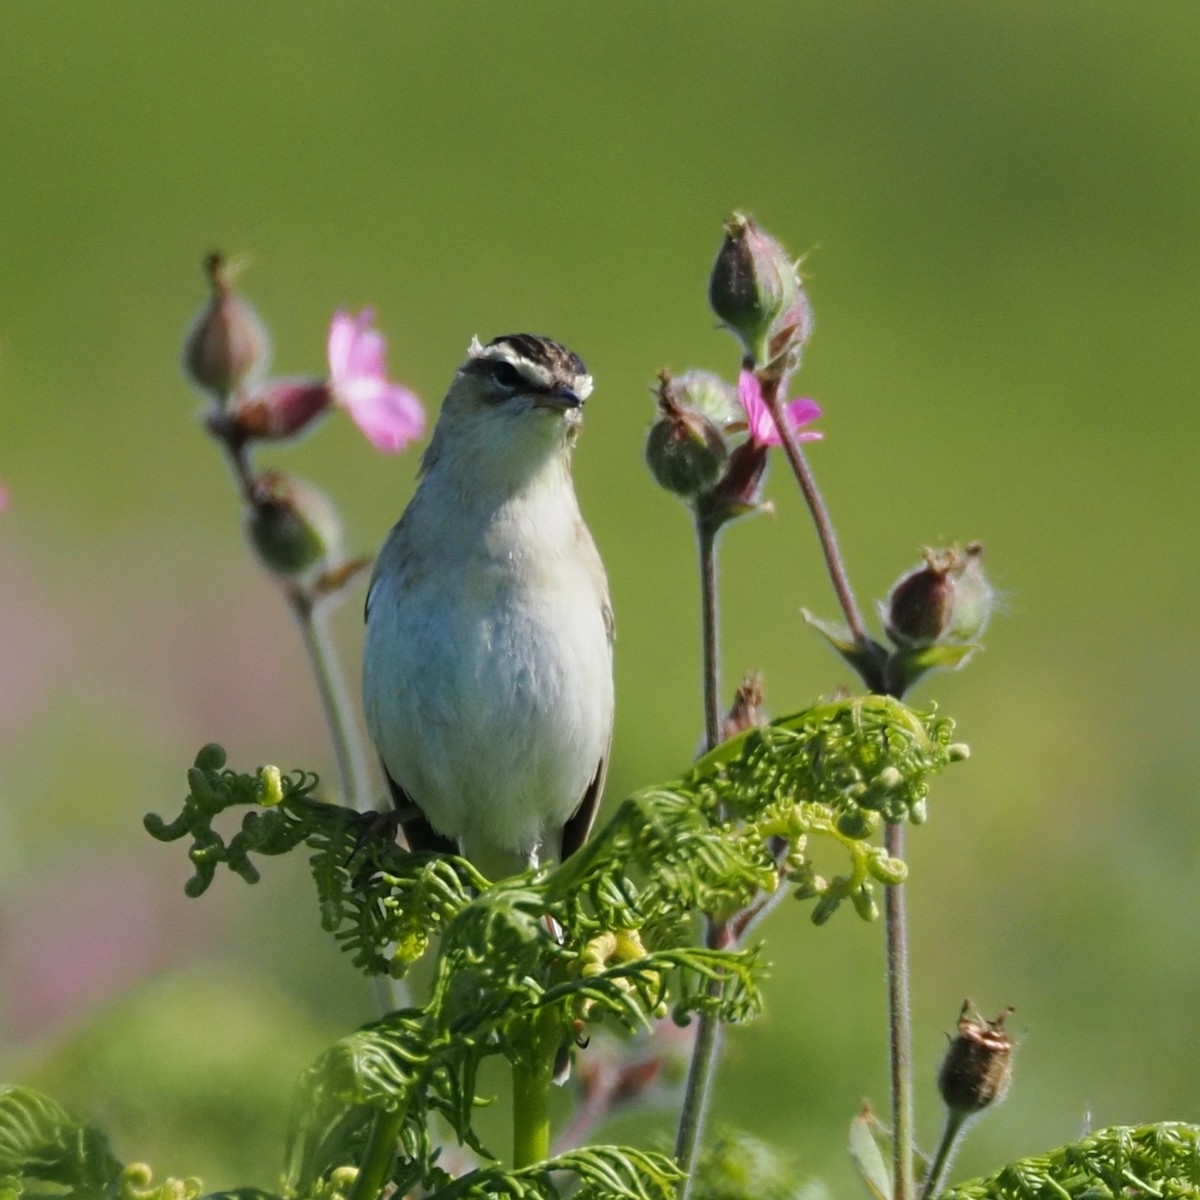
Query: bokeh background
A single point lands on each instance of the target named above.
(998, 204)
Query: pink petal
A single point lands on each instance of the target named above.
(762, 428)
(797, 412)
(390, 415)
(343, 330)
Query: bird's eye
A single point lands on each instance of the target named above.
(506, 375)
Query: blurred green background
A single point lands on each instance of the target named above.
(999, 207)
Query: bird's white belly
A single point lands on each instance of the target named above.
(491, 704)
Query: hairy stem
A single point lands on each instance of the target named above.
(820, 516)
(899, 1024)
(377, 1160)
(952, 1137)
(533, 1075)
(707, 1047)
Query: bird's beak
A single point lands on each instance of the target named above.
(561, 398)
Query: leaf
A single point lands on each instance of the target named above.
(864, 1150)
(1145, 1160)
(42, 1144)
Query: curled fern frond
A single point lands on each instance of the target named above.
(1146, 1160)
(608, 1172)
(708, 842)
(43, 1149)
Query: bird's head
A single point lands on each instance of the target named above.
(517, 400)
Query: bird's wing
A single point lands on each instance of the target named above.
(418, 832)
(579, 823)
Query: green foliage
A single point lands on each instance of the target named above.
(605, 936)
(1122, 1161)
(736, 1166)
(45, 1151)
(191, 1071)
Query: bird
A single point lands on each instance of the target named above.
(488, 660)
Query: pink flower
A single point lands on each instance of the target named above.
(762, 424)
(390, 415)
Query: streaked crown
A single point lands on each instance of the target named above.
(528, 364)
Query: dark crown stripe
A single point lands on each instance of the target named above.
(543, 351)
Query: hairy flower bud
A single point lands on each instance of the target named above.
(684, 450)
(293, 527)
(977, 1069)
(948, 600)
(228, 343)
(753, 285)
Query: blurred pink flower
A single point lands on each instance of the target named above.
(3, 497)
(389, 414)
(762, 425)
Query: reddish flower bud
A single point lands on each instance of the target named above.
(977, 1069)
(753, 285)
(280, 408)
(948, 600)
(739, 490)
(228, 343)
(293, 527)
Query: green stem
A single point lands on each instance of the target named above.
(335, 699)
(380, 1153)
(706, 537)
(899, 1024)
(707, 1048)
(952, 1136)
(533, 1075)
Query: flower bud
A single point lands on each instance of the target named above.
(746, 711)
(293, 527)
(753, 284)
(684, 450)
(977, 1069)
(228, 343)
(948, 600)
(279, 409)
(739, 490)
(789, 333)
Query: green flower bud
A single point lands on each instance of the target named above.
(293, 527)
(228, 343)
(947, 601)
(753, 284)
(977, 1069)
(684, 450)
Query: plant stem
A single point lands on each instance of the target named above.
(899, 1024)
(706, 537)
(380, 1151)
(389, 993)
(707, 1047)
(335, 701)
(820, 515)
(533, 1074)
(874, 668)
(952, 1136)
